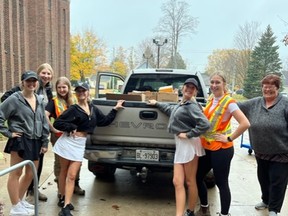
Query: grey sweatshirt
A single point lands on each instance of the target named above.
(21, 118)
(269, 127)
(185, 118)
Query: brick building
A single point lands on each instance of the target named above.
(33, 32)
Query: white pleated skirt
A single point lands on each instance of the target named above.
(70, 148)
(186, 149)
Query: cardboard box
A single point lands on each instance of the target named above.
(148, 94)
(168, 89)
(167, 97)
(126, 97)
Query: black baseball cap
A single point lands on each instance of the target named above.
(29, 74)
(192, 81)
(82, 85)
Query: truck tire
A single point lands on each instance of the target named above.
(106, 172)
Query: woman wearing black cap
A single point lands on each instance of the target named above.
(187, 123)
(76, 122)
(28, 133)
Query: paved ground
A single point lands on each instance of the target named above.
(127, 197)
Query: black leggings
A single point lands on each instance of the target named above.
(219, 161)
(39, 171)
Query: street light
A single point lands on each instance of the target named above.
(147, 58)
(158, 44)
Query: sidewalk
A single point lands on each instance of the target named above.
(243, 182)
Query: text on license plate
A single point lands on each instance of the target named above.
(147, 155)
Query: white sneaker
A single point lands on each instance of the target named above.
(19, 209)
(27, 205)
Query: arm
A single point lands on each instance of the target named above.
(65, 122)
(163, 107)
(104, 120)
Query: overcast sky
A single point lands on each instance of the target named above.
(128, 22)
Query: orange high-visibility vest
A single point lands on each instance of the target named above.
(215, 117)
(60, 107)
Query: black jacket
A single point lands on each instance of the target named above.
(76, 118)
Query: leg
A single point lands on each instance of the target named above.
(190, 170)
(221, 160)
(180, 192)
(13, 184)
(263, 178)
(74, 167)
(77, 189)
(204, 166)
(64, 164)
(26, 179)
(278, 173)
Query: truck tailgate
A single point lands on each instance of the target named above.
(138, 124)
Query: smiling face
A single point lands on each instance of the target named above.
(45, 75)
(30, 84)
(82, 94)
(189, 91)
(62, 89)
(217, 85)
(270, 86)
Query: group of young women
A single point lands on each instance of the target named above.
(28, 131)
(203, 137)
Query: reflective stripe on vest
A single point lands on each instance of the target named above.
(215, 117)
(60, 107)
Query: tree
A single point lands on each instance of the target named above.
(228, 61)
(118, 64)
(264, 60)
(245, 39)
(176, 23)
(179, 62)
(87, 54)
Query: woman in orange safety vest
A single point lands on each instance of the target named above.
(218, 143)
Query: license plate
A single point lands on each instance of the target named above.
(147, 155)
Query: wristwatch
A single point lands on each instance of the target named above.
(229, 139)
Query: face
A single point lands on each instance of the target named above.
(189, 90)
(62, 89)
(269, 91)
(30, 84)
(217, 85)
(82, 94)
(46, 76)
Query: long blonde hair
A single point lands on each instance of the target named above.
(45, 66)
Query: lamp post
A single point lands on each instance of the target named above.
(147, 58)
(158, 44)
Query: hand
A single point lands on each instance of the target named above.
(119, 105)
(43, 150)
(151, 102)
(221, 137)
(16, 134)
(183, 135)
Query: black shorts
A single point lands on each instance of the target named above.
(28, 149)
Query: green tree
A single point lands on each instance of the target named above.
(264, 60)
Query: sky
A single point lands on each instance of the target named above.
(127, 23)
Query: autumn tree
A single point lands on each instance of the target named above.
(175, 24)
(87, 54)
(228, 62)
(264, 60)
(118, 64)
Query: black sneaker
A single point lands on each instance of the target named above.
(188, 212)
(61, 201)
(65, 211)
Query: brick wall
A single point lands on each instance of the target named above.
(33, 32)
